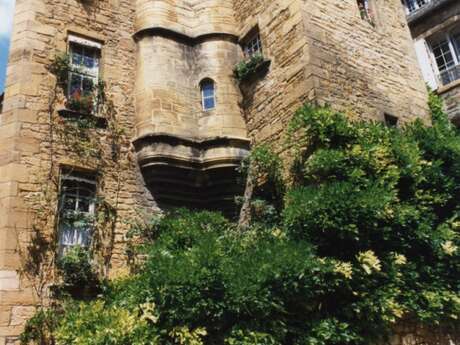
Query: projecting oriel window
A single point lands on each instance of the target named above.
(76, 209)
(253, 45)
(208, 94)
(84, 62)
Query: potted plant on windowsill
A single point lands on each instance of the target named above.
(85, 106)
(81, 103)
(247, 69)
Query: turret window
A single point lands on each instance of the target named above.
(208, 94)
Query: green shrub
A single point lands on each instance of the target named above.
(40, 328)
(368, 236)
(78, 274)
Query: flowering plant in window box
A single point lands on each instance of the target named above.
(82, 103)
(247, 68)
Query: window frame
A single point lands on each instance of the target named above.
(452, 38)
(81, 187)
(204, 97)
(91, 50)
(252, 45)
(413, 6)
(367, 11)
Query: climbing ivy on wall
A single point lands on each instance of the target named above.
(364, 234)
(92, 139)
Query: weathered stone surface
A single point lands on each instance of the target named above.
(19, 315)
(9, 280)
(154, 56)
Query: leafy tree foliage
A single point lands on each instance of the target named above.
(367, 235)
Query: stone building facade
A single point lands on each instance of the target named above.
(435, 27)
(175, 123)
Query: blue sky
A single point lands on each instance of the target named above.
(6, 19)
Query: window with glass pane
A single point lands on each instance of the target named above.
(208, 94)
(85, 69)
(446, 54)
(77, 208)
(443, 55)
(366, 11)
(253, 46)
(413, 5)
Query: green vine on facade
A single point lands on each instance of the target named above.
(75, 143)
(248, 68)
(366, 238)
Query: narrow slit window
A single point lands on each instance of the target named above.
(76, 209)
(208, 94)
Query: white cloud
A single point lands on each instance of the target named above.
(6, 17)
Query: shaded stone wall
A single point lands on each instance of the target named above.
(409, 333)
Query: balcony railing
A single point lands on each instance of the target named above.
(449, 75)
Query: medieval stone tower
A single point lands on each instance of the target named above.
(175, 122)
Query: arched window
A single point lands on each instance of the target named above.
(208, 94)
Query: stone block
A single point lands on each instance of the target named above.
(14, 172)
(8, 189)
(25, 297)
(5, 315)
(9, 280)
(20, 314)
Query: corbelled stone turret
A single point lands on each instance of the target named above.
(191, 135)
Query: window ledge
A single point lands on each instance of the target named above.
(100, 122)
(260, 71)
(448, 87)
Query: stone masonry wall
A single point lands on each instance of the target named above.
(320, 51)
(27, 155)
(168, 98)
(323, 51)
(368, 69)
(270, 101)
